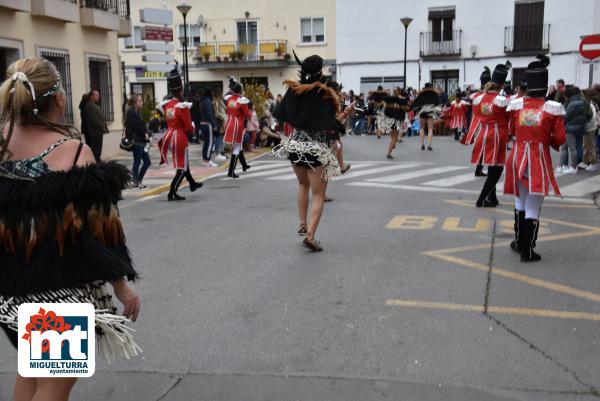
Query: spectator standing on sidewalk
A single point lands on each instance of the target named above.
(194, 137)
(95, 124)
(135, 128)
(360, 120)
(252, 127)
(571, 152)
(589, 145)
(219, 131)
(207, 125)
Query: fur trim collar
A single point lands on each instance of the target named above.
(329, 94)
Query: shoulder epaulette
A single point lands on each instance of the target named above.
(243, 100)
(184, 105)
(501, 101)
(554, 108)
(515, 105)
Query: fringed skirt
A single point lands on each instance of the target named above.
(114, 340)
(430, 111)
(309, 150)
(387, 124)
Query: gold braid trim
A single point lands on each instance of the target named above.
(299, 89)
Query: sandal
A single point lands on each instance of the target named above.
(302, 230)
(345, 169)
(327, 199)
(313, 245)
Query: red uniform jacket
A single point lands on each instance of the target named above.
(470, 137)
(237, 111)
(458, 114)
(491, 136)
(179, 123)
(538, 125)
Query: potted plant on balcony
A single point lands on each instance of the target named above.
(233, 56)
(279, 51)
(287, 57)
(206, 57)
(226, 59)
(239, 55)
(262, 57)
(219, 59)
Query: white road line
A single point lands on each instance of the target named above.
(262, 173)
(583, 187)
(352, 174)
(252, 169)
(452, 181)
(356, 166)
(416, 174)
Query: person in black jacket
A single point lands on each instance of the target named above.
(135, 128)
(427, 105)
(208, 125)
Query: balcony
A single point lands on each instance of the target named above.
(229, 55)
(440, 44)
(101, 14)
(527, 39)
(125, 23)
(17, 5)
(64, 10)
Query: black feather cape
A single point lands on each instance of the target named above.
(62, 230)
(310, 107)
(395, 107)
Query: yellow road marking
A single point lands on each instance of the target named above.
(518, 277)
(494, 309)
(453, 224)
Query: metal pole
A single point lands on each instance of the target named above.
(185, 56)
(591, 73)
(124, 86)
(405, 40)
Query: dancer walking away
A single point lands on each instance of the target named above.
(378, 105)
(491, 141)
(394, 112)
(475, 126)
(427, 105)
(335, 136)
(236, 106)
(538, 125)
(179, 125)
(458, 115)
(310, 107)
(61, 240)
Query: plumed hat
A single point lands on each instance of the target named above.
(311, 69)
(485, 76)
(235, 86)
(536, 76)
(500, 73)
(174, 79)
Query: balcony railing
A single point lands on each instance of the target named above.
(223, 52)
(527, 38)
(111, 6)
(124, 9)
(434, 44)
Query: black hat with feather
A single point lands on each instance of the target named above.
(235, 86)
(536, 76)
(311, 69)
(174, 81)
(500, 73)
(485, 76)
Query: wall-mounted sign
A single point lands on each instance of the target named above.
(157, 47)
(156, 16)
(158, 58)
(158, 33)
(142, 73)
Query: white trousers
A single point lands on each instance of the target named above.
(531, 204)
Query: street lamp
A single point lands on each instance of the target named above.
(184, 8)
(406, 22)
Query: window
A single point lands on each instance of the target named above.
(529, 25)
(135, 40)
(441, 24)
(368, 84)
(193, 31)
(101, 80)
(446, 79)
(146, 89)
(312, 30)
(61, 61)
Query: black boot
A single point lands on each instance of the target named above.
(527, 238)
(232, 164)
(518, 226)
(172, 196)
(456, 135)
(489, 187)
(193, 184)
(242, 159)
(479, 171)
(492, 198)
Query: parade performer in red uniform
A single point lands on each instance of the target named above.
(474, 125)
(492, 135)
(179, 124)
(538, 125)
(236, 107)
(458, 115)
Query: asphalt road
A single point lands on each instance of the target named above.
(415, 297)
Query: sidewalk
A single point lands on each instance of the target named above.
(158, 177)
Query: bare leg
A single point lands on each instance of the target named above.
(429, 131)
(24, 388)
(303, 190)
(318, 186)
(422, 124)
(54, 389)
(393, 140)
(339, 153)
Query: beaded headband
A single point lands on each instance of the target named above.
(21, 76)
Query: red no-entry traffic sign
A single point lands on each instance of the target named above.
(590, 47)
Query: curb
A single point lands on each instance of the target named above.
(596, 197)
(165, 187)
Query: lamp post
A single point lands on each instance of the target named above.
(406, 22)
(184, 8)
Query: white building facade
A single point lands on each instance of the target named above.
(450, 41)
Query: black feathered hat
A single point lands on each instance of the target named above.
(536, 76)
(485, 76)
(235, 86)
(500, 73)
(311, 69)
(336, 86)
(174, 79)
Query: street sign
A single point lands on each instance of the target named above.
(590, 47)
(157, 33)
(157, 58)
(156, 16)
(159, 67)
(157, 47)
(141, 73)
